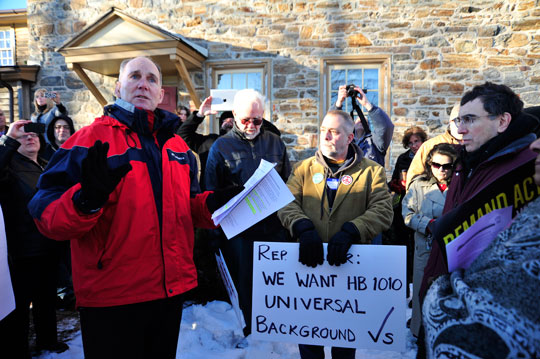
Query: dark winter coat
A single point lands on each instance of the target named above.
(19, 176)
(51, 147)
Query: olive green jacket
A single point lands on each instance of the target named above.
(364, 201)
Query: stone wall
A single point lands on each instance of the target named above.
(439, 49)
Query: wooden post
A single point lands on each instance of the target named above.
(89, 84)
(184, 74)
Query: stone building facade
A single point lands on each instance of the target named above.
(427, 53)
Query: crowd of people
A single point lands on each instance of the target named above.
(113, 210)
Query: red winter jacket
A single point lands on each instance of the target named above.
(139, 246)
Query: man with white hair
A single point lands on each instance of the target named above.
(232, 160)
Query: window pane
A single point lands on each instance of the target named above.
(8, 43)
(224, 81)
(2, 34)
(333, 98)
(239, 81)
(2, 44)
(373, 97)
(371, 79)
(254, 81)
(337, 78)
(354, 76)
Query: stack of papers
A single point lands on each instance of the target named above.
(264, 193)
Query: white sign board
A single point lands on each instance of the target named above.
(360, 304)
(7, 298)
(231, 289)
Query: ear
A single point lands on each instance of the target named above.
(117, 89)
(350, 138)
(161, 95)
(504, 122)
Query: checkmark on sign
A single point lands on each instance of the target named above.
(376, 338)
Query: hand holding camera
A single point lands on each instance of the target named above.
(16, 130)
(353, 91)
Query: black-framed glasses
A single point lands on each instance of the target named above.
(58, 127)
(256, 121)
(445, 166)
(469, 119)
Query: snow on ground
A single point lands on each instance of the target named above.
(211, 331)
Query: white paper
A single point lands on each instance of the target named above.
(370, 289)
(7, 298)
(463, 250)
(231, 289)
(264, 168)
(264, 193)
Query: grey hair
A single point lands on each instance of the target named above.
(348, 122)
(248, 95)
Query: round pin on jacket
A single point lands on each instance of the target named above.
(346, 180)
(317, 178)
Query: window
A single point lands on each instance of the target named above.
(7, 47)
(369, 73)
(240, 79)
(240, 75)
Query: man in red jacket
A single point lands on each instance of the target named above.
(125, 191)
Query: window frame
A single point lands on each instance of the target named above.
(213, 68)
(11, 32)
(380, 61)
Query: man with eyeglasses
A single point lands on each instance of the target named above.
(60, 129)
(33, 260)
(232, 160)
(496, 167)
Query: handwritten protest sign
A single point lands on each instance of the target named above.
(360, 304)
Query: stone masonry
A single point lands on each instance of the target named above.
(439, 49)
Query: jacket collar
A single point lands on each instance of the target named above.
(137, 119)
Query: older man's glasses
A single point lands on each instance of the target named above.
(444, 166)
(255, 120)
(469, 119)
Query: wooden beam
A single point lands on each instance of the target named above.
(184, 74)
(89, 84)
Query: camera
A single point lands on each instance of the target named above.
(49, 95)
(34, 127)
(351, 92)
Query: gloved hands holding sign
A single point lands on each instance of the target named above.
(340, 243)
(311, 246)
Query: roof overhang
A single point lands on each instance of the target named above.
(18, 73)
(12, 17)
(116, 36)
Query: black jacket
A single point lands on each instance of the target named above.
(201, 144)
(18, 179)
(51, 147)
(232, 161)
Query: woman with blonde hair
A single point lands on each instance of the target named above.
(48, 106)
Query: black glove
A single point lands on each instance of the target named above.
(216, 240)
(219, 197)
(339, 244)
(311, 247)
(98, 181)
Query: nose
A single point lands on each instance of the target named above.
(327, 135)
(461, 128)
